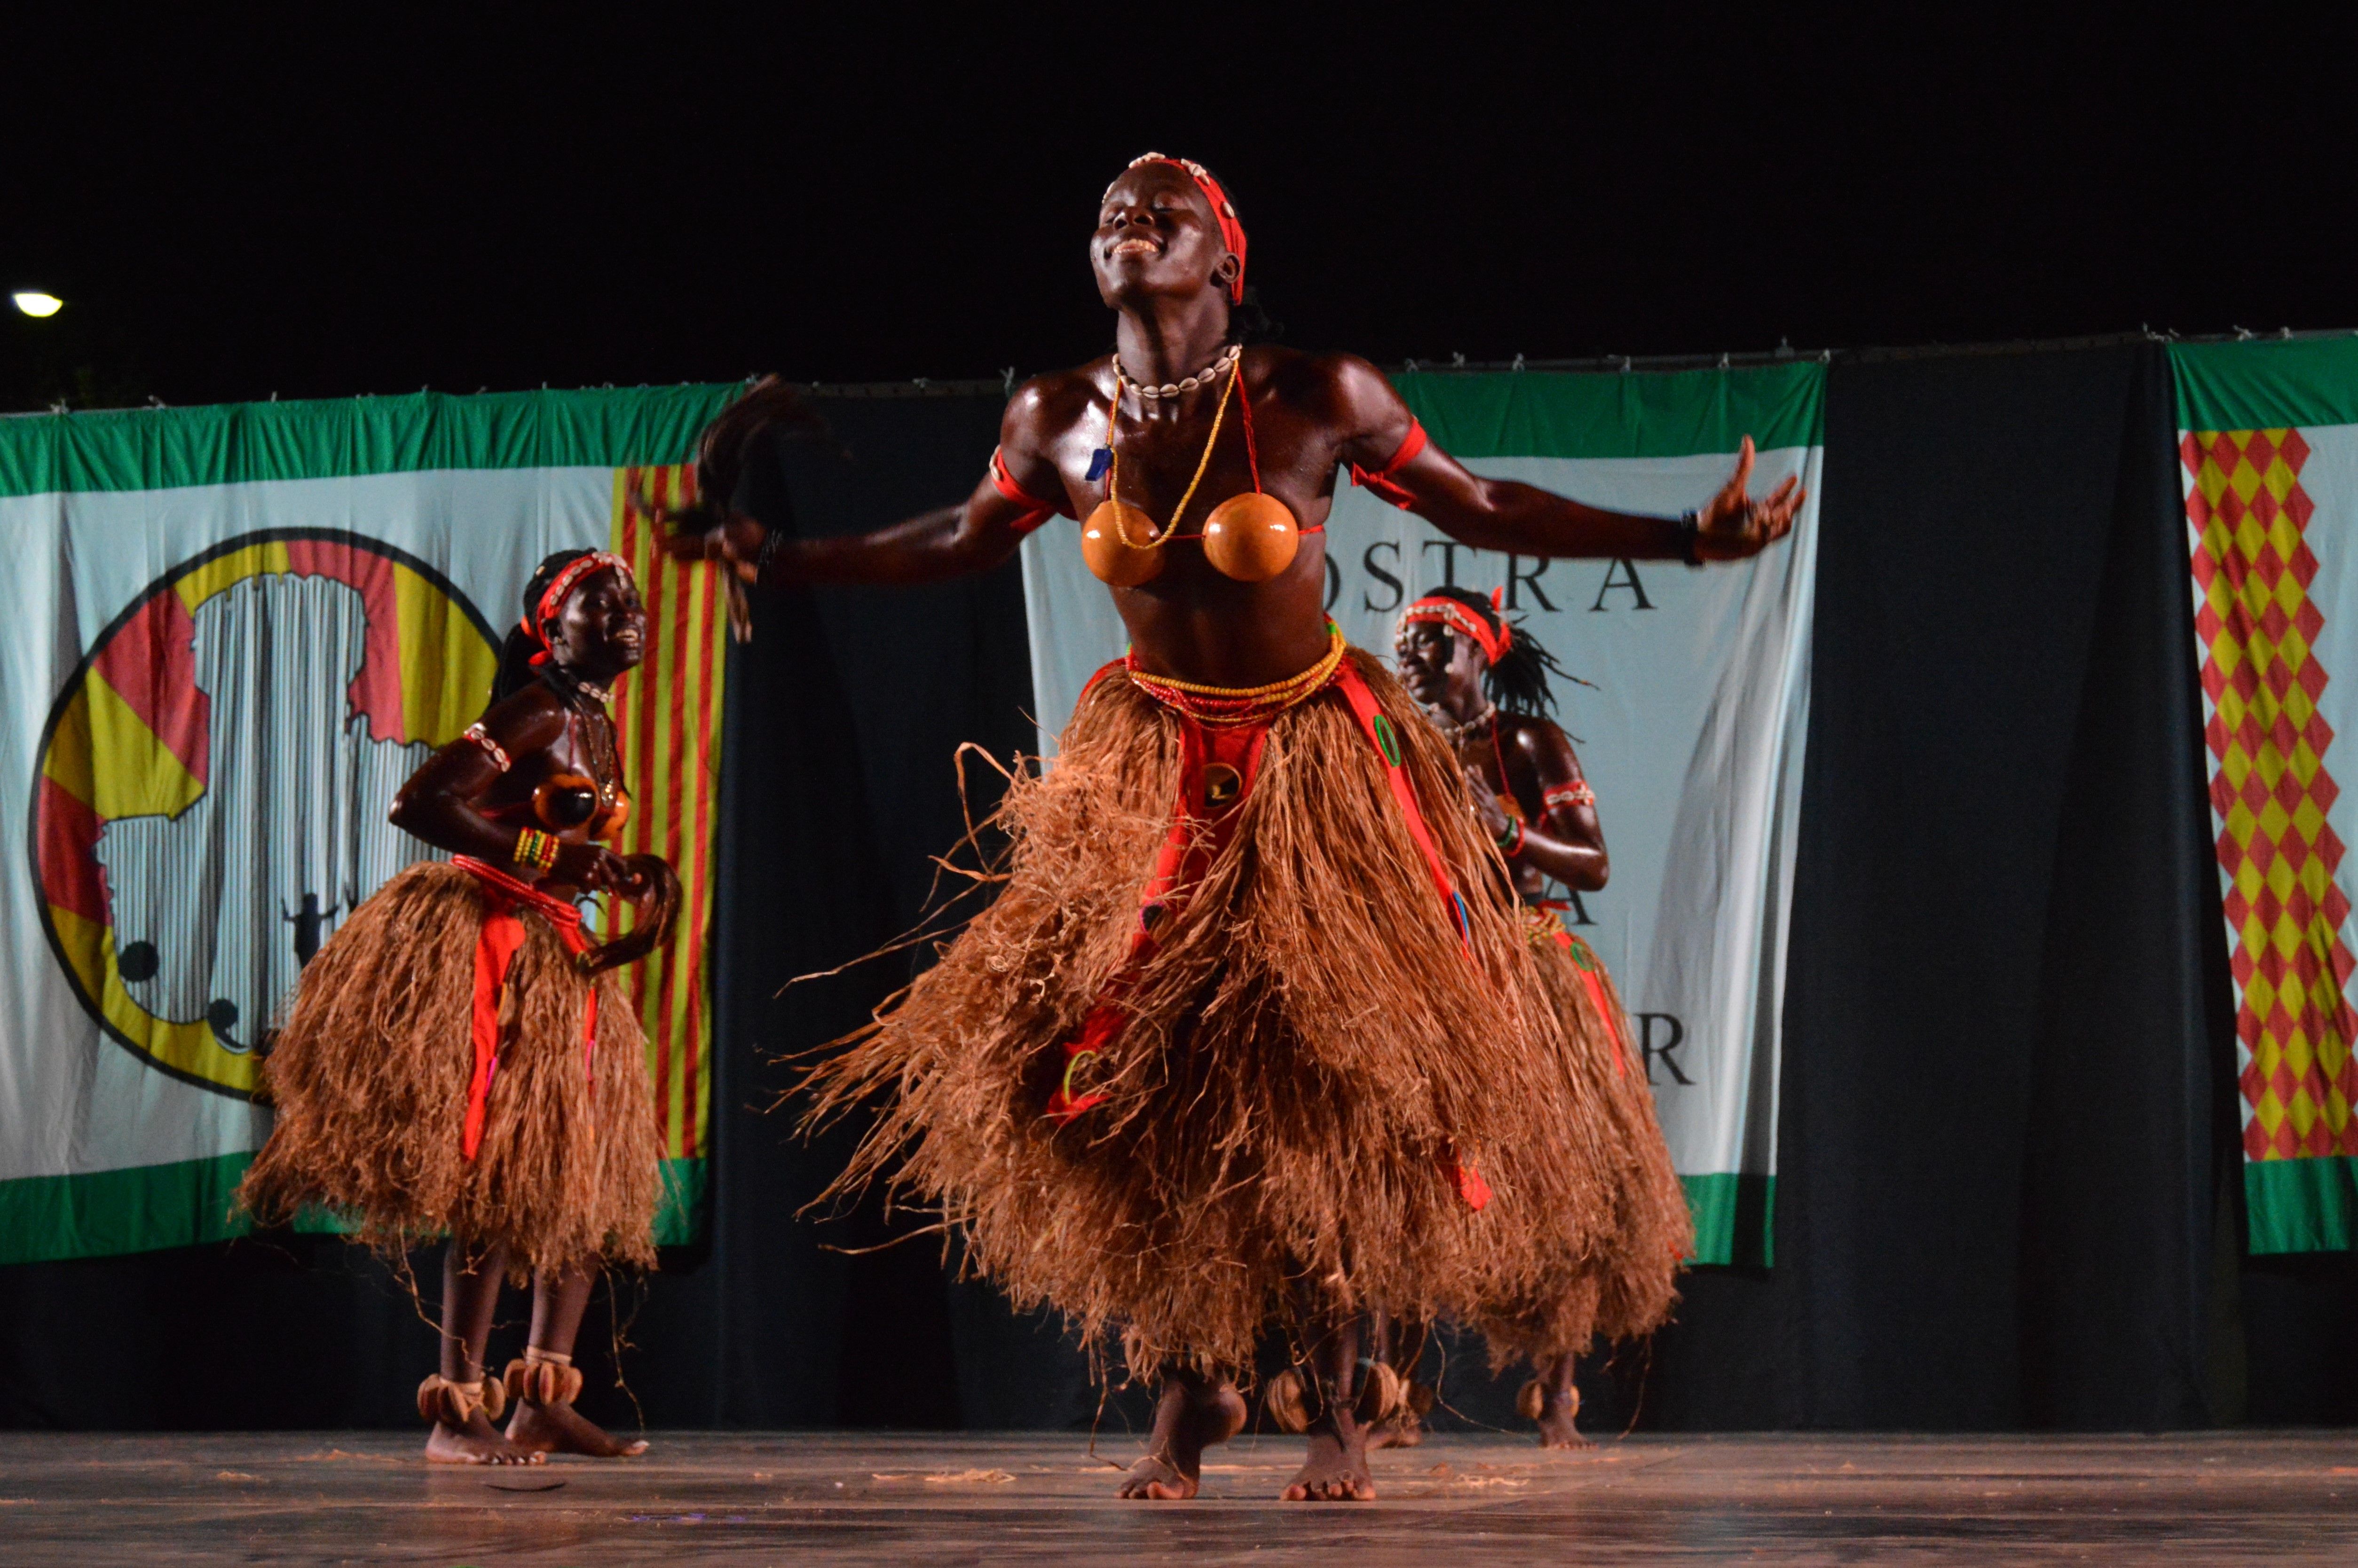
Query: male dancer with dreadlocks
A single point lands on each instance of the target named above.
(1251, 1035)
(1483, 682)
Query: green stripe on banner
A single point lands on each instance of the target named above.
(135, 1209)
(140, 1208)
(1617, 413)
(1731, 1213)
(1473, 414)
(681, 1214)
(231, 443)
(2301, 1205)
(2266, 384)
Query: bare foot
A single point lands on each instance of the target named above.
(1557, 1408)
(1186, 1422)
(477, 1442)
(1157, 1479)
(560, 1429)
(1336, 1470)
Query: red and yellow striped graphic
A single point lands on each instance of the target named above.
(667, 714)
(2270, 790)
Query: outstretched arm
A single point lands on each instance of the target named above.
(1521, 519)
(974, 535)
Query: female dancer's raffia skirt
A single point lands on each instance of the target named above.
(1652, 1228)
(370, 1077)
(1309, 1054)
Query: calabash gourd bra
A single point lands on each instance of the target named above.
(1250, 538)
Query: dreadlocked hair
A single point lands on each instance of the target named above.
(1516, 680)
(517, 669)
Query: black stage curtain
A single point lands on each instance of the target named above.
(2008, 1163)
(1999, 1149)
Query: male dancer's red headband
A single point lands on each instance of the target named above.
(1223, 210)
(552, 599)
(1460, 617)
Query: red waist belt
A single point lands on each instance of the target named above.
(495, 949)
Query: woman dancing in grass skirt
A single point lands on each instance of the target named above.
(456, 1062)
(1483, 682)
(1252, 1035)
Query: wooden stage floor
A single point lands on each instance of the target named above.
(864, 1498)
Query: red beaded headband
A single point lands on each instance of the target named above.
(1223, 210)
(1458, 617)
(553, 599)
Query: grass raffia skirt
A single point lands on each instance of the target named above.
(1310, 1050)
(1630, 1279)
(370, 1077)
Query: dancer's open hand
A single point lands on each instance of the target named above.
(1733, 526)
(1486, 809)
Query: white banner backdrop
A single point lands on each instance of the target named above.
(85, 1106)
(1693, 738)
(230, 636)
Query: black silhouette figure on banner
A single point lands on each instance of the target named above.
(309, 922)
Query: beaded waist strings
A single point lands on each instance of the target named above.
(1222, 705)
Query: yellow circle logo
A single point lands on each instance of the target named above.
(215, 776)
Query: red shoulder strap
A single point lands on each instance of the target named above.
(1035, 511)
(1380, 480)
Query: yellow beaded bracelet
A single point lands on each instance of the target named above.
(536, 849)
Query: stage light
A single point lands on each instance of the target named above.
(33, 302)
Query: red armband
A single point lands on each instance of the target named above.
(1381, 481)
(1035, 511)
(1568, 794)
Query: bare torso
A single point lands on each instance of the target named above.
(1162, 265)
(1191, 620)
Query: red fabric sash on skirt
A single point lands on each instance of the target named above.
(495, 949)
(1592, 976)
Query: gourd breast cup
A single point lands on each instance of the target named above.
(1113, 558)
(1250, 538)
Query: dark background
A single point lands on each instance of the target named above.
(320, 201)
(2010, 1191)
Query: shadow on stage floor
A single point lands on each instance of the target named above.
(876, 1498)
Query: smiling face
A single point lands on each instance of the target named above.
(601, 630)
(1156, 235)
(1442, 671)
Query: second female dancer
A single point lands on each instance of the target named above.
(457, 1062)
(1484, 682)
(1251, 1035)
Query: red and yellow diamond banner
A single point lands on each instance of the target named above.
(2262, 676)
